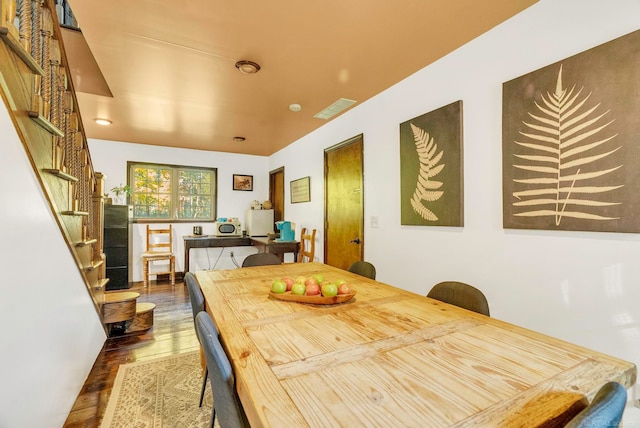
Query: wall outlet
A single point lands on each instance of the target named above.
(231, 254)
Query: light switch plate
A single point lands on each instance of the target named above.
(374, 221)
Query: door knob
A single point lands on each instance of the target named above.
(355, 241)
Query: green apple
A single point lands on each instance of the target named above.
(329, 290)
(278, 286)
(318, 277)
(298, 289)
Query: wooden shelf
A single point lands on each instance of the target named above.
(61, 174)
(87, 242)
(79, 213)
(17, 47)
(42, 121)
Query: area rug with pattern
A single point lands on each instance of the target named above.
(157, 393)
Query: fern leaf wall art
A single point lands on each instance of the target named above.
(431, 168)
(571, 142)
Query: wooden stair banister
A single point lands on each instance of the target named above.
(39, 94)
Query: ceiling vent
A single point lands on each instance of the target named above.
(335, 108)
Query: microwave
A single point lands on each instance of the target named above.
(227, 228)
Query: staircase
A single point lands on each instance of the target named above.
(36, 87)
(123, 315)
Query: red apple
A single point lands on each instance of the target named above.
(313, 290)
(344, 288)
(289, 281)
(310, 280)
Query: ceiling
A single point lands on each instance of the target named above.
(164, 71)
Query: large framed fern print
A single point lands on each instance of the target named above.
(571, 142)
(431, 188)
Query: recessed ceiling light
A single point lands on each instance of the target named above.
(295, 107)
(103, 122)
(247, 67)
(238, 139)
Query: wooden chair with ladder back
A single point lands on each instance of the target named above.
(159, 247)
(307, 246)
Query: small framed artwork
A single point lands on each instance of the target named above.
(243, 182)
(301, 190)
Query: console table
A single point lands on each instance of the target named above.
(263, 244)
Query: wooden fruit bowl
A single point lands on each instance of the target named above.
(316, 300)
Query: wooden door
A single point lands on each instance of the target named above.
(276, 193)
(344, 204)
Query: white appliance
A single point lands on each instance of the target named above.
(227, 228)
(259, 222)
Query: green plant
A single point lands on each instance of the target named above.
(121, 190)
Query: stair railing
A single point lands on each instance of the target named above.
(36, 85)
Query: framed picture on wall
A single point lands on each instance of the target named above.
(243, 182)
(431, 181)
(301, 190)
(570, 153)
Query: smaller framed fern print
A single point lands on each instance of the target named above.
(431, 185)
(570, 152)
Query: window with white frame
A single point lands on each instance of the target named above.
(171, 192)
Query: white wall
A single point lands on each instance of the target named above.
(110, 158)
(582, 287)
(51, 333)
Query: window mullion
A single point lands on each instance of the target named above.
(175, 177)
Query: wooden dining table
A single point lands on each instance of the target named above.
(392, 358)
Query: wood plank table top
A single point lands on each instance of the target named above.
(390, 357)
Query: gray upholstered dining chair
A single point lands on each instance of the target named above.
(461, 295)
(605, 410)
(261, 259)
(226, 403)
(364, 269)
(197, 305)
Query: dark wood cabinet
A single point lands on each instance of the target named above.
(116, 245)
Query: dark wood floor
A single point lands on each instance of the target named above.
(172, 333)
